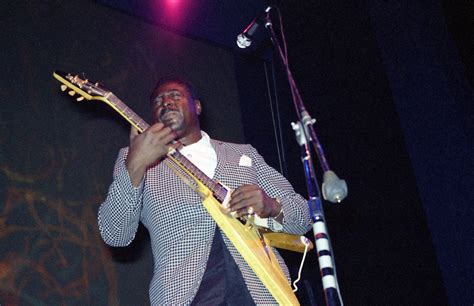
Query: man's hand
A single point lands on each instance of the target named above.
(248, 199)
(147, 148)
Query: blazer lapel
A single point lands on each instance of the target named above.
(221, 158)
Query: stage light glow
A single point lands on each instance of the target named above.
(173, 3)
(174, 10)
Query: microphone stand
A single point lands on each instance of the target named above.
(334, 189)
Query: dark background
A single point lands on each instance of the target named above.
(389, 82)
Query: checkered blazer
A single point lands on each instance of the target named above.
(181, 230)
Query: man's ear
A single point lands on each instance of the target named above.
(198, 107)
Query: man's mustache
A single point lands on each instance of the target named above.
(166, 110)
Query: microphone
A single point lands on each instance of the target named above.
(244, 39)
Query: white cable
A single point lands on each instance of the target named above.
(306, 244)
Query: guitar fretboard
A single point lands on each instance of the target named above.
(127, 112)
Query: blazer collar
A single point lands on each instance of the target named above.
(221, 157)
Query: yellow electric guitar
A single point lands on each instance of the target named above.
(245, 236)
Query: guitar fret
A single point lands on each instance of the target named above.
(206, 180)
(202, 179)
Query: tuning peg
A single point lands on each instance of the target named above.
(80, 98)
(63, 87)
(71, 93)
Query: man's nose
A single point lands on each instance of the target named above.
(167, 101)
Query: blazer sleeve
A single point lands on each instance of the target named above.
(297, 218)
(119, 214)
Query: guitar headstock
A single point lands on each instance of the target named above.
(85, 88)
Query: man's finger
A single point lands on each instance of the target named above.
(156, 127)
(133, 132)
(237, 204)
(169, 137)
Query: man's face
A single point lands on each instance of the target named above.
(174, 107)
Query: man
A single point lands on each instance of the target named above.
(193, 261)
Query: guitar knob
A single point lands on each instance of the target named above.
(80, 98)
(72, 93)
(63, 87)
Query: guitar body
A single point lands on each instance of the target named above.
(246, 240)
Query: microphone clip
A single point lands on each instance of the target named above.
(244, 39)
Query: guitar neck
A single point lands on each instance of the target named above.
(219, 191)
(127, 113)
